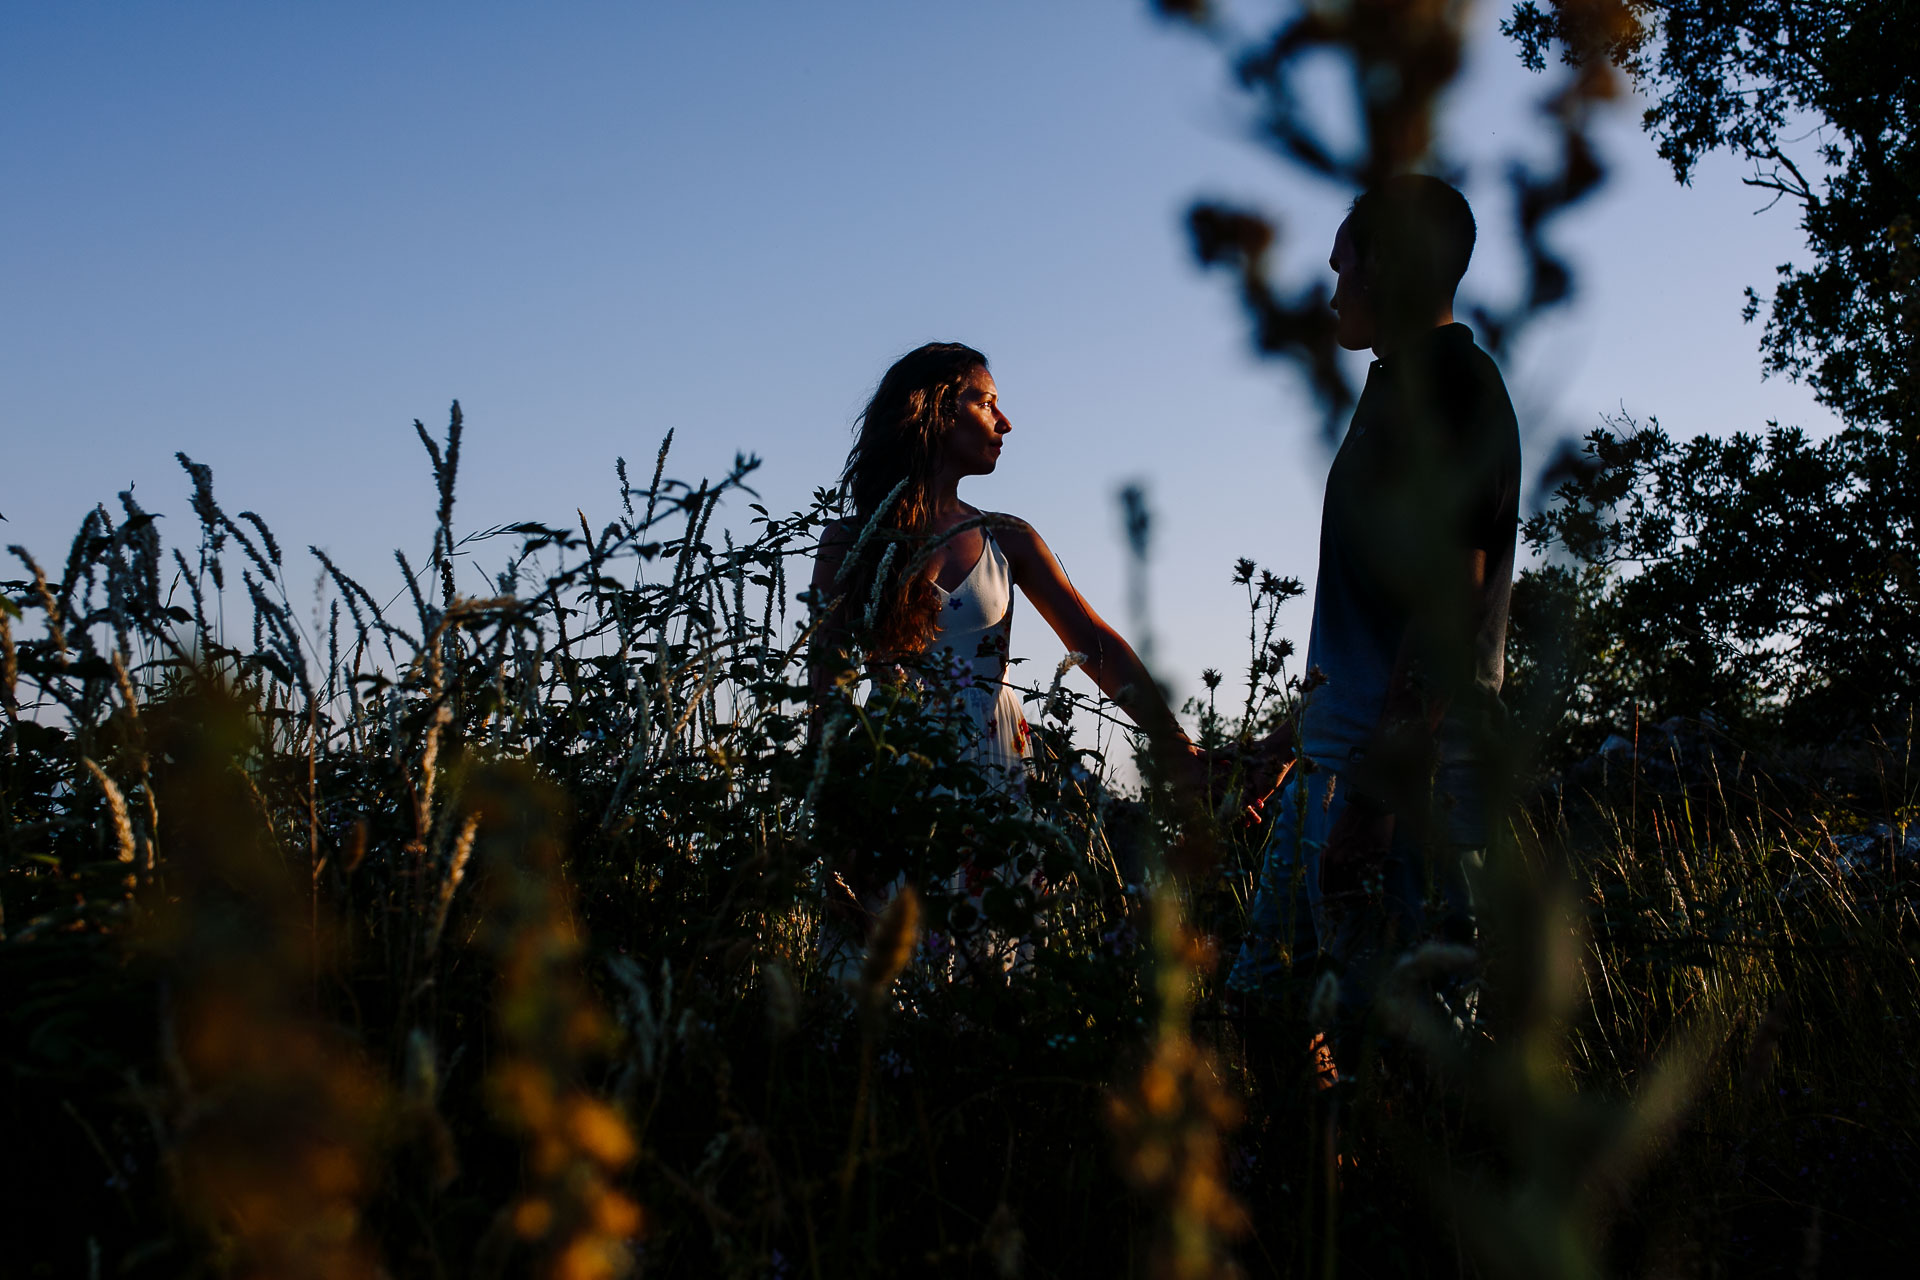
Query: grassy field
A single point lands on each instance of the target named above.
(483, 937)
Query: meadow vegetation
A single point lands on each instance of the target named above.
(483, 933)
(479, 933)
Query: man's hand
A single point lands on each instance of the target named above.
(1258, 768)
(1265, 766)
(1267, 763)
(1186, 765)
(1356, 848)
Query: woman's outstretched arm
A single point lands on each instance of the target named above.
(1111, 661)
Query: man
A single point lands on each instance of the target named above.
(1384, 823)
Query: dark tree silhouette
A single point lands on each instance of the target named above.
(1821, 97)
(1765, 578)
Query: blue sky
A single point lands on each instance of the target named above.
(273, 235)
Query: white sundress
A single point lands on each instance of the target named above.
(976, 625)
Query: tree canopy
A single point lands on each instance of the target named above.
(1820, 96)
(1767, 579)
(1762, 577)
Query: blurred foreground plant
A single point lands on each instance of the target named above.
(273, 1120)
(1171, 1120)
(593, 777)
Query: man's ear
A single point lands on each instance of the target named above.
(1370, 275)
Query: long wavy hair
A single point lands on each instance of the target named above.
(891, 466)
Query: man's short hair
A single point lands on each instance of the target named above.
(1413, 236)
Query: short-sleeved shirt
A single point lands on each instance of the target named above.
(1428, 472)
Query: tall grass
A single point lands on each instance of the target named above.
(483, 937)
(550, 866)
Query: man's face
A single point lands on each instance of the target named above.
(1352, 308)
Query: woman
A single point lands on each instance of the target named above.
(916, 573)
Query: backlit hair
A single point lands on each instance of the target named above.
(899, 440)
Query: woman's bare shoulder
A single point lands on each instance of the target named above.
(1022, 543)
(836, 540)
(839, 534)
(1006, 523)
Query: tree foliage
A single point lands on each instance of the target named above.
(1820, 96)
(1766, 579)
(1763, 577)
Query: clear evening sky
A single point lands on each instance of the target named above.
(271, 235)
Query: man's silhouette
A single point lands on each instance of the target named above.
(1385, 822)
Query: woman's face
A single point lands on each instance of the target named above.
(971, 446)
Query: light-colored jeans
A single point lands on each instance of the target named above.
(1425, 893)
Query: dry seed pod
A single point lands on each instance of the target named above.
(891, 946)
(1325, 1003)
(783, 1005)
